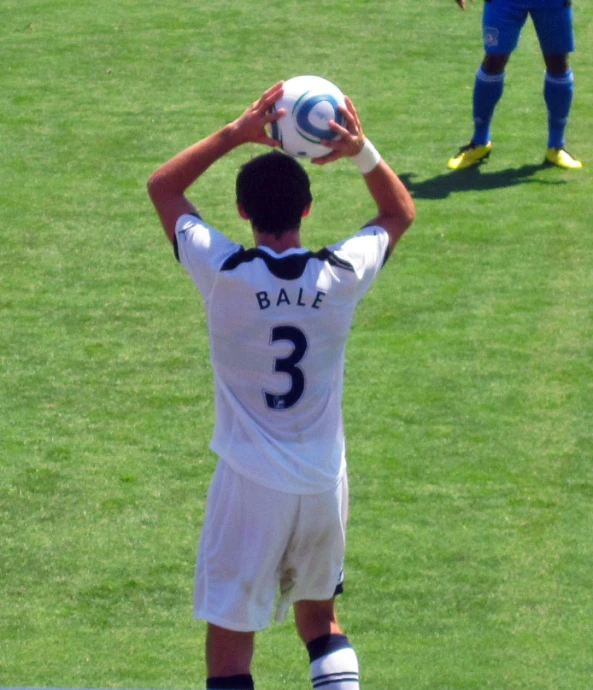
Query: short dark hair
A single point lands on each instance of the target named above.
(274, 191)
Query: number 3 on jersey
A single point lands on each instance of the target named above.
(288, 365)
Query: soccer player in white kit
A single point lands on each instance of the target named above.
(278, 319)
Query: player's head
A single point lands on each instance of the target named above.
(273, 192)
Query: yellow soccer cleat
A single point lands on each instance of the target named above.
(562, 159)
(469, 155)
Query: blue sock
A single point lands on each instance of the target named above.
(487, 92)
(558, 93)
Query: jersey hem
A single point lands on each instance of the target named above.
(300, 491)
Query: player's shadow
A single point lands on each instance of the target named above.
(473, 179)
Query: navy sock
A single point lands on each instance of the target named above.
(488, 90)
(558, 92)
(239, 682)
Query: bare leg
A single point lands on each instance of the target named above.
(228, 653)
(316, 618)
(333, 661)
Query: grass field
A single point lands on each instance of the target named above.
(469, 390)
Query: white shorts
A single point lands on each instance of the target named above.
(257, 542)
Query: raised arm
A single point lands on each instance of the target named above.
(395, 206)
(168, 184)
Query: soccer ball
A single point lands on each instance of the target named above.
(310, 103)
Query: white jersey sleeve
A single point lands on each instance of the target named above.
(201, 250)
(365, 256)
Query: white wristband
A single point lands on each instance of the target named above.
(368, 158)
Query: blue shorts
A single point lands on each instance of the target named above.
(503, 20)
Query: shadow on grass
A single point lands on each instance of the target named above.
(473, 179)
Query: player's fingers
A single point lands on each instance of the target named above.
(346, 139)
(278, 85)
(347, 115)
(328, 158)
(341, 147)
(271, 116)
(351, 118)
(268, 141)
(350, 104)
(338, 129)
(271, 95)
(352, 109)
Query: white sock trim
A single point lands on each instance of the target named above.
(336, 671)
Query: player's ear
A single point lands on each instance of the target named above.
(307, 210)
(242, 212)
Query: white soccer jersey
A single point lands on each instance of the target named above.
(278, 325)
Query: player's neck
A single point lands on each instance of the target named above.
(288, 240)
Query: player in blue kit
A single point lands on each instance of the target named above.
(502, 21)
(278, 320)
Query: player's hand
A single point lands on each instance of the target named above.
(462, 3)
(350, 138)
(250, 127)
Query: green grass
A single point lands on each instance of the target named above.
(469, 394)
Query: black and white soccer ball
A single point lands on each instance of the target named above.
(310, 103)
